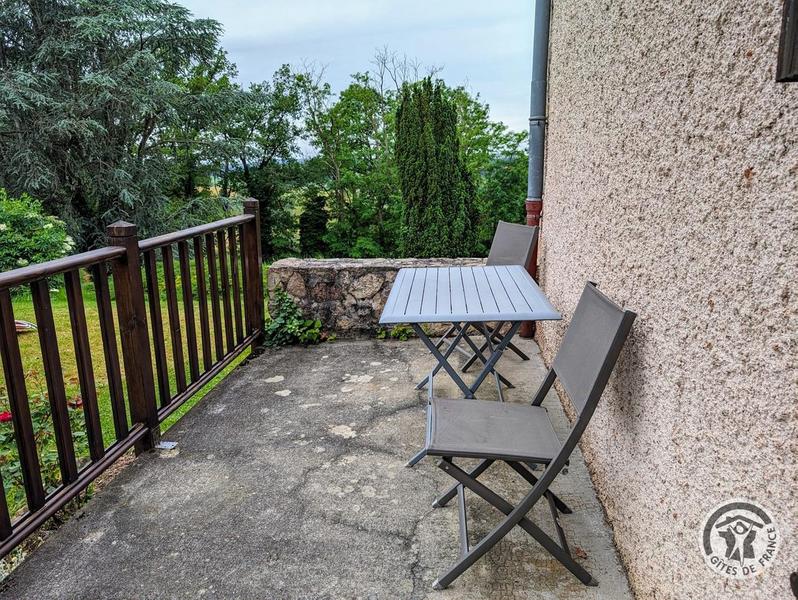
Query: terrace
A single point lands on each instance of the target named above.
(270, 494)
(152, 447)
(275, 483)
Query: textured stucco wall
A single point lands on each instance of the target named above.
(672, 181)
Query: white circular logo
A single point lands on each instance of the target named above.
(739, 539)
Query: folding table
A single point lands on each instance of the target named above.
(466, 297)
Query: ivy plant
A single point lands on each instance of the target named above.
(288, 325)
(399, 332)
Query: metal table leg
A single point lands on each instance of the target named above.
(494, 357)
(460, 334)
(495, 335)
(486, 333)
(478, 354)
(442, 362)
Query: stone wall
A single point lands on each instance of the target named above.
(672, 181)
(347, 295)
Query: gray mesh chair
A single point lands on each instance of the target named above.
(512, 244)
(522, 435)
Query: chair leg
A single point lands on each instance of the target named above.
(556, 518)
(521, 354)
(414, 461)
(523, 471)
(444, 499)
(461, 514)
(423, 452)
(495, 335)
(498, 532)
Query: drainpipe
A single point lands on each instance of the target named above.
(537, 131)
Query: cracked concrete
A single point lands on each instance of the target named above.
(306, 496)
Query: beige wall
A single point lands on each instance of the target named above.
(672, 181)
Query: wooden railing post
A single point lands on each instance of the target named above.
(253, 266)
(134, 335)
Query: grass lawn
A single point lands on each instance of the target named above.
(37, 388)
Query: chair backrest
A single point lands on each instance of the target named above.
(591, 347)
(512, 244)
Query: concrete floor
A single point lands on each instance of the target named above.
(288, 482)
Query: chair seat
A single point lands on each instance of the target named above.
(495, 430)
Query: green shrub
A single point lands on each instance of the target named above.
(44, 434)
(27, 235)
(287, 324)
(399, 332)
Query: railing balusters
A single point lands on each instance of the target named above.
(174, 317)
(244, 286)
(18, 401)
(210, 247)
(156, 326)
(108, 335)
(202, 294)
(53, 374)
(80, 339)
(236, 285)
(228, 317)
(5, 518)
(188, 309)
(238, 282)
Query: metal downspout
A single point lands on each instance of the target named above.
(537, 129)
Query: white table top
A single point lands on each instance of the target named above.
(466, 295)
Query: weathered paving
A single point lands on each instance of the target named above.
(288, 482)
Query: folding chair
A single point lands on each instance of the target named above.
(512, 244)
(522, 435)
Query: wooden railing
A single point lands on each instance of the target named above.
(227, 268)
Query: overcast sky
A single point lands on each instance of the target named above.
(485, 45)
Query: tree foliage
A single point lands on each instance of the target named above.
(27, 236)
(439, 218)
(497, 161)
(354, 135)
(354, 138)
(313, 226)
(262, 132)
(130, 109)
(88, 93)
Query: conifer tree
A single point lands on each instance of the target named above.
(313, 226)
(439, 217)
